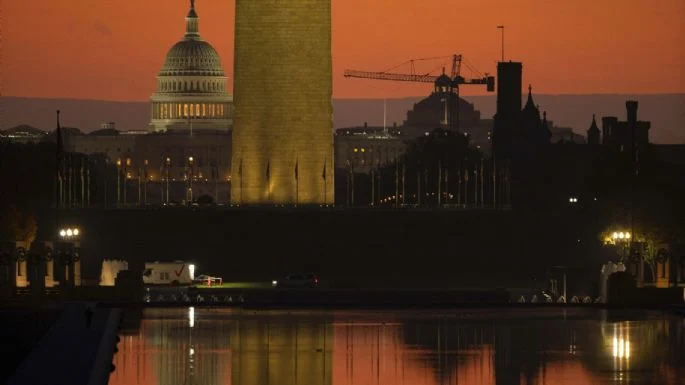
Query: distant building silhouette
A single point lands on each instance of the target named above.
(506, 126)
(622, 133)
(593, 133)
(535, 131)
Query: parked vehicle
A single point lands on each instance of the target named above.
(168, 273)
(208, 280)
(297, 281)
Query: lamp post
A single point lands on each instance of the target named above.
(72, 268)
(126, 165)
(189, 194)
(620, 238)
(167, 165)
(146, 180)
(118, 182)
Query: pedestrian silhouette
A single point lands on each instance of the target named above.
(89, 317)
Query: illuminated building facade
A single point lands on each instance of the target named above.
(283, 137)
(364, 148)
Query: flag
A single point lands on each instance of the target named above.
(296, 169)
(323, 175)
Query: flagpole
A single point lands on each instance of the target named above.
(418, 185)
(439, 183)
(447, 184)
(397, 182)
(145, 184)
(347, 196)
(58, 174)
(352, 175)
(241, 179)
(89, 183)
(140, 185)
(475, 185)
(83, 186)
(404, 183)
(466, 186)
(482, 177)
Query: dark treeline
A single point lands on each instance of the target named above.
(33, 186)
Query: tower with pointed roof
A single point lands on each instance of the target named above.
(533, 132)
(593, 133)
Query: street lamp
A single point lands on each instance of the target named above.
(126, 177)
(189, 194)
(621, 238)
(118, 181)
(69, 232)
(167, 166)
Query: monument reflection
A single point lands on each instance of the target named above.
(527, 346)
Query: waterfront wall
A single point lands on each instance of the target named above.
(357, 247)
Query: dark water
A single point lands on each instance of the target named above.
(497, 346)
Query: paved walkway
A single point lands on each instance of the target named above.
(70, 352)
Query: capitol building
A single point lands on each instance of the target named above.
(185, 152)
(191, 87)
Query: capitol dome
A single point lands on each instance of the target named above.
(191, 86)
(192, 58)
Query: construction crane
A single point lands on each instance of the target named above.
(455, 79)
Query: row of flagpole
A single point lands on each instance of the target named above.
(296, 176)
(442, 186)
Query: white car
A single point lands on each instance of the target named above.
(208, 280)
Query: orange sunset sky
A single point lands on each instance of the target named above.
(112, 49)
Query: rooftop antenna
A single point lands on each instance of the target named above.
(502, 28)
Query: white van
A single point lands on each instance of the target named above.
(168, 273)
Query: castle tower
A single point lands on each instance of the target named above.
(283, 122)
(506, 126)
(593, 133)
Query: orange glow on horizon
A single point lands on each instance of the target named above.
(113, 50)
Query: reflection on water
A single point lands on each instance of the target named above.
(470, 347)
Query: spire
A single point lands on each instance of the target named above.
(192, 30)
(544, 120)
(593, 132)
(530, 103)
(593, 126)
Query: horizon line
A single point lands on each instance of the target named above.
(361, 98)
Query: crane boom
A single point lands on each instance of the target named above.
(457, 79)
(390, 76)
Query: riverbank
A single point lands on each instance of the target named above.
(58, 344)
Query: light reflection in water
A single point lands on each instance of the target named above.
(210, 346)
